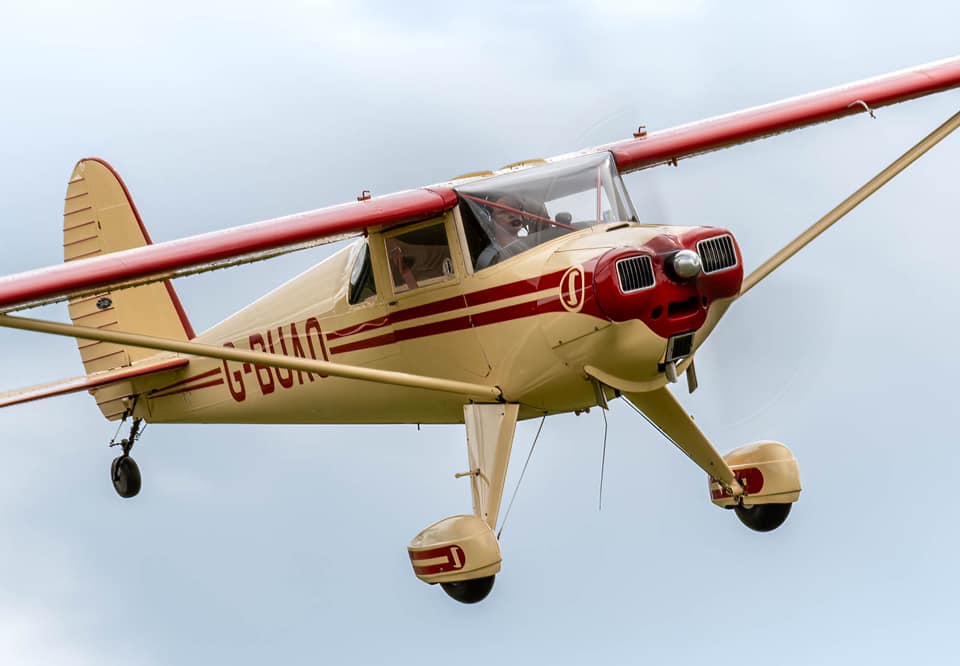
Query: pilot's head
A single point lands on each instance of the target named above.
(508, 221)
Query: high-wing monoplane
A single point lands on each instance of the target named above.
(499, 295)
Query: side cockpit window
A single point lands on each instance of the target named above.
(362, 285)
(419, 257)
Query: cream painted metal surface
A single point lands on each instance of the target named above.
(98, 218)
(770, 465)
(455, 549)
(490, 431)
(275, 360)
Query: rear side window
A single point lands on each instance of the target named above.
(362, 286)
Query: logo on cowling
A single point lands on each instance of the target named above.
(573, 289)
(437, 560)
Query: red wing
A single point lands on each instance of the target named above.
(790, 114)
(220, 248)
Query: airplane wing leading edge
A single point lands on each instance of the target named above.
(732, 129)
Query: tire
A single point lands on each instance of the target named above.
(125, 476)
(469, 591)
(763, 517)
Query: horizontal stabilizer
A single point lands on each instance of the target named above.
(88, 382)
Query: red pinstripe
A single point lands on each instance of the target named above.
(216, 382)
(204, 375)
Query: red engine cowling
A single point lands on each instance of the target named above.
(642, 283)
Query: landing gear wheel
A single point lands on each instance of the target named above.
(125, 476)
(124, 471)
(763, 517)
(469, 591)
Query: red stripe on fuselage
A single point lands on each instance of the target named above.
(514, 289)
(442, 306)
(204, 375)
(454, 303)
(411, 333)
(508, 313)
(448, 305)
(193, 387)
(371, 325)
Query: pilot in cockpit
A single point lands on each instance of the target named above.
(506, 214)
(511, 218)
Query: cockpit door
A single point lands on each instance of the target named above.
(427, 310)
(417, 321)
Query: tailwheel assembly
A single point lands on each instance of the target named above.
(124, 472)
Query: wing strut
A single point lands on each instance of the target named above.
(257, 358)
(667, 415)
(851, 202)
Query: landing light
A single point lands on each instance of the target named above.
(686, 264)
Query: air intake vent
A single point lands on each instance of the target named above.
(717, 254)
(635, 273)
(679, 346)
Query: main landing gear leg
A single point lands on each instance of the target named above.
(124, 471)
(461, 552)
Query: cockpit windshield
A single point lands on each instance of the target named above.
(505, 215)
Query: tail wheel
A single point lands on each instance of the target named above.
(125, 476)
(469, 591)
(763, 517)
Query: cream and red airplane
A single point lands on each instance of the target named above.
(493, 297)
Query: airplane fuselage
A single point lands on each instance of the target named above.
(529, 325)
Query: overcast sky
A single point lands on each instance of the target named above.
(253, 545)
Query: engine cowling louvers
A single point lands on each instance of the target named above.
(717, 254)
(635, 273)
